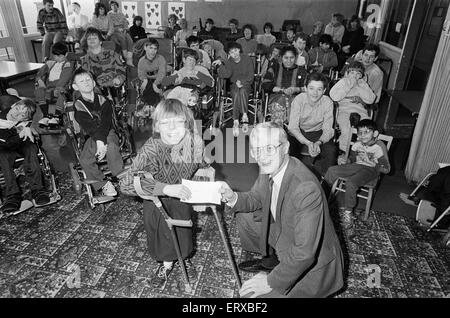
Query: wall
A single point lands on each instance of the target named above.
(257, 12)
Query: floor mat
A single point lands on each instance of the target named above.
(69, 250)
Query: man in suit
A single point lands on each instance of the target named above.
(286, 209)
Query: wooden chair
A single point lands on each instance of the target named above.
(367, 191)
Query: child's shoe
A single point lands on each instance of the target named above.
(43, 123)
(53, 123)
(159, 280)
(244, 123)
(236, 128)
(109, 190)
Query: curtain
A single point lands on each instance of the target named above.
(431, 139)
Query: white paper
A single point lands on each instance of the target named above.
(7, 124)
(202, 191)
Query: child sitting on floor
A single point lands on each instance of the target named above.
(94, 114)
(173, 153)
(51, 83)
(367, 159)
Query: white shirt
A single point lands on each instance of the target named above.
(277, 179)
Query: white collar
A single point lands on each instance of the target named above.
(278, 178)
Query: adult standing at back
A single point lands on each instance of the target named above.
(52, 25)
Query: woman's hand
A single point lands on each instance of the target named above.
(177, 191)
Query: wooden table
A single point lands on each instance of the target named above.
(14, 70)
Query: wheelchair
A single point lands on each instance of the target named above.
(78, 139)
(225, 102)
(47, 174)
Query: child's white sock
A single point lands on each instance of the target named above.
(168, 265)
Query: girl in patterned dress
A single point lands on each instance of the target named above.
(174, 152)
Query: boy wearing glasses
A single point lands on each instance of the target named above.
(367, 159)
(94, 114)
(285, 210)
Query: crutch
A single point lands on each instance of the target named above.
(170, 222)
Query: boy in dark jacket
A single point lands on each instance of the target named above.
(16, 138)
(94, 114)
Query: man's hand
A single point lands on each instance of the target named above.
(225, 191)
(177, 191)
(313, 149)
(217, 62)
(341, 160)
(26, 133)
(101, 150)
(255, 286)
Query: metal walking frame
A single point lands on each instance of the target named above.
(182, 223)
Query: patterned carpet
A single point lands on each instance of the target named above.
(42, 251)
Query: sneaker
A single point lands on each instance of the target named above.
(43, 122)
(236, 128)
(191, 270)
(12, 204)
(109, 190)
(159, 280)
(41, 197)
(244, 123)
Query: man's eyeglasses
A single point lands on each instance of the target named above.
(269, 150)
(174, 122)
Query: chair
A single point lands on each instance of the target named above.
(426, 208)
(367, 191)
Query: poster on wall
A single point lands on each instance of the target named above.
(176, 8)
(152, 15)
(129, 8)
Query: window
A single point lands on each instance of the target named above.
(397, 22)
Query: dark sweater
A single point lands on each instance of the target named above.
(137, 33)
(243, 70)
(285, 78)
(355, 39)
(95, 118)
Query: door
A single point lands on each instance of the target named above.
(426, 45)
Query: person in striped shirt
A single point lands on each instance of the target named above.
(52, 25)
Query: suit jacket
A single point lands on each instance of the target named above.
(311, 262)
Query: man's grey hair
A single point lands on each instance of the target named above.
(269, 128)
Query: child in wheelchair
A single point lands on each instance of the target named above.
(16, 138)
(94, 114)
(173, 153)
(239, 68)
(51, 84)
(152, 68)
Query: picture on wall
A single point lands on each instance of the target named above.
(152, 14)
(177, 8)
(129, 8)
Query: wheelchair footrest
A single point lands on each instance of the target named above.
(54, 197)
(24, 206)
(102, 199)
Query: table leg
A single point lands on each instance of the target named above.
(3, 87)
(34, 51)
